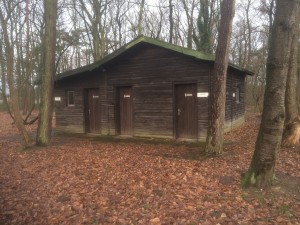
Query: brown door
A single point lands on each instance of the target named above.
(125, 104)
(93, 115)
(186, 111)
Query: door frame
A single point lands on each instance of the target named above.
(118, 111)
(175, 101)
(86, 106)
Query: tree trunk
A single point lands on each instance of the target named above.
(249, 28)
(190, 22)
(26, 82)
(171, 22)
(14, 102)
(140, 18)
(3, 76)
(204, 27)
(291, 109)
(291, 133)
(46, 105)
(268, 142)
(214, 141)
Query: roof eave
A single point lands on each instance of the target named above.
(186, 51)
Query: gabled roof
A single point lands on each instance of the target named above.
(143, 39)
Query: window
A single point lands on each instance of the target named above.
(70, 98)
(238, 94)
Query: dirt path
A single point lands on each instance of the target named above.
(83, 181)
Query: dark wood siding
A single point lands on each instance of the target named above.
(152, 73)
(238, 108)
(72, 118)
(235, 111)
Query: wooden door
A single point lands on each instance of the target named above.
(186, 111)
(93, 115)
(125, 111)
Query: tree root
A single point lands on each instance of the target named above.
(263, 179)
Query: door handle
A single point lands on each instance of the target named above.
(178, 112)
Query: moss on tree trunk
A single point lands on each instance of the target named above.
(268, 142)
(45, 126)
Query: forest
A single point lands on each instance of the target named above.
(89, 30)
(249, 175)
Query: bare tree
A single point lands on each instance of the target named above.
(9, 55)
(93, 13)
(141, 15)
(171, 21)
(207, 25)
(291, 135)
(214, 141)
(189, 11)
(3, 75)
(261, 171)
(250, 46)
(46, 105)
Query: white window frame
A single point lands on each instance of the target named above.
(68, 98)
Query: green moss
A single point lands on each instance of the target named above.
(234, 124)
(142, 39)
(153, 141)
(286, 210)
(245, 196)
(69, 129)
(147, 206)
(262, 180)
(252, 178)
(249, 179)
(186, 51)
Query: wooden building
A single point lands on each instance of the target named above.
(147, 88)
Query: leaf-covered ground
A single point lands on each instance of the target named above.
(104, 181)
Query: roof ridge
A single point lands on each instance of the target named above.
(145, 39)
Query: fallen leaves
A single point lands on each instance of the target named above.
(155, 221)
(81, 181)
